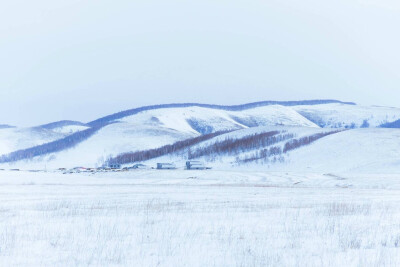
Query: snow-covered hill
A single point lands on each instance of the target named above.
(245, 143)
(65, 127)
(337, 115)
(14, 138)
(200, 120)
(156, 126)
(355, 150)
(358, 150)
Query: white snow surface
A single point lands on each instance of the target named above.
(199, 218)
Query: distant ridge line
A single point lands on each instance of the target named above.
(105, 120)
(62, 123)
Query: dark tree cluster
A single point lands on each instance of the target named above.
(296, 143)
(231, 146)
(276, 152)
(262, 154)
(158, 152)
(200, 126)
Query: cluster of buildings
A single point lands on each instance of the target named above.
(190, 165)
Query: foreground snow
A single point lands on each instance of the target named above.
(199, 218)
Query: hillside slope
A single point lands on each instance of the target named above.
(116, 116)
(65, 127)
(338, 115)
(264, 145)
(356, 150)
(155, 128)
(14, 138)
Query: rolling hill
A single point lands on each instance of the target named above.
(338, 115)
(14, 138)
(69, 144)
(373, 150)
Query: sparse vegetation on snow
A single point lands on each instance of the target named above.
(211, 219)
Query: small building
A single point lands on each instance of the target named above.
(196, 165)
(114, 166)
(165, 166)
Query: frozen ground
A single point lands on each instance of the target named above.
(209, 218)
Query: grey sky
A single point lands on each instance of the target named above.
(70, 59)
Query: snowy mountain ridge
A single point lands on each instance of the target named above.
(71, 143)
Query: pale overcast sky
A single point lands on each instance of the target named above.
(79, 60)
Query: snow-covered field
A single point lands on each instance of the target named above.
(199, 218)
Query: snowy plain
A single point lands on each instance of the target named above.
(333, 202)
(199, 218)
